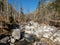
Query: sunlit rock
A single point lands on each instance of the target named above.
(38, 30)
(12, 40)
(16, 34)
(4, 40)
(56, 36)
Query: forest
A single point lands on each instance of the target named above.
(38, 27)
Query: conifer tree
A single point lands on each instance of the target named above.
(1, 6)
(22, 16)
(39, 15)
(11, 19)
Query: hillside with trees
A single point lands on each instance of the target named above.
(48, 13)
(39, 27)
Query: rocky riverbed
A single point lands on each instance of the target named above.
(33, 33)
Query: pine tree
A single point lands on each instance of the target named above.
(40, 13)
(22, 16)
(11, 19)
(1, 6)
(37, 16)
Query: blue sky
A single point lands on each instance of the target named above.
(28, 5)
